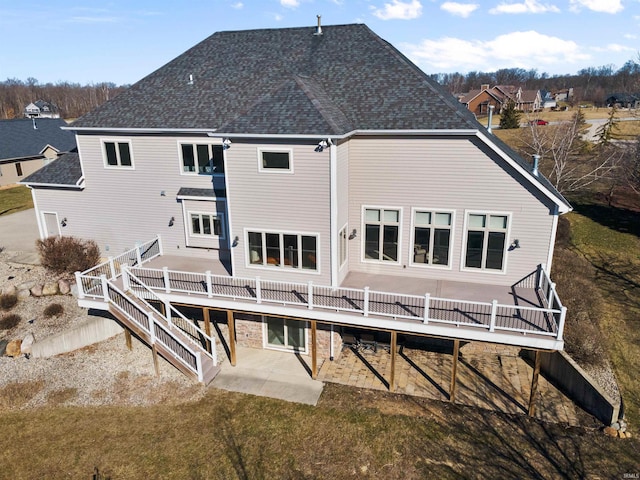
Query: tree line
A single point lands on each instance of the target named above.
(593, 84)
(72, 99)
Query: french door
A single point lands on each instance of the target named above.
(286, 334)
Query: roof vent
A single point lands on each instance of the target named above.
(319, 27)
(190, 80)
(536, 162)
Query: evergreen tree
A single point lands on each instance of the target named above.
(608, 129)
(510, 117)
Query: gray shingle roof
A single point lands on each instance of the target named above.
(64, 171)
(286, 81)
(18, 138)
(196, 192)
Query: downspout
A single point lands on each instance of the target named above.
(333, 199)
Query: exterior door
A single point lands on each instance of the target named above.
(286, 334)
(51, 225)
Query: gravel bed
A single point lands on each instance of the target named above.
(106, 373)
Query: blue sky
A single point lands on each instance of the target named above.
(122, 41)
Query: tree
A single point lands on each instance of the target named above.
(510, 117)
(607, 130)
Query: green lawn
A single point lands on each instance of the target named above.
(15, 199)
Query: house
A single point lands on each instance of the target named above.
(41, 109)
(28, 144)
(623, 100)
(299, 185)
(478, 101)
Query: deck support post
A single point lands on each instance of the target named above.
(392, 378)
(127, 339)
(454, 370)
(314, 349)
(232, 337)
(207, 326)
(534, 385)
(156, 364)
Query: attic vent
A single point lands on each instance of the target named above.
(190, 80)
(319, 27)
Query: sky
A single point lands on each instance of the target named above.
(121, 41)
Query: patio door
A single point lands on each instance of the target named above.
(286, 334)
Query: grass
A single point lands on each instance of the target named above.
(15, 199)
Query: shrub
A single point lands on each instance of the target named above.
(8, 301)
(66, 255)
(53, 310)
(9, 321)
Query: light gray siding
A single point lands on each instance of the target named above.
(458, 174)
(280, 202)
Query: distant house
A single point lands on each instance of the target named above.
(26, 145)
(624, 100)
(548, 101)
(563, 95)
(41, 109)
(478, 101)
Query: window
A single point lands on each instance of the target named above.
(18, 169)
(203, 159)
(342, 246)
(381, 232)
(486, 241)
(284, 333)
(118, 154)
(431, 237)
(206, 224)
(283, 250)
(274, 160)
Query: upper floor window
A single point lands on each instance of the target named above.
(431, 237)
(118, 154)
(206, 224)
(381, 234)
(275, 160)
(18, 169)
(203, 159)
(486, 241)
(283, 250)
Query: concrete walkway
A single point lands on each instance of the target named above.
(18, 233)
(269, 373)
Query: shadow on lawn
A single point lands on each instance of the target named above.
(625, 220)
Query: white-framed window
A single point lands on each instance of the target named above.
(288, 250)
(203, 224)
(275, 160)
(381, 234)
(201, 159)
(486, 240)
(18, 169)
(117, 154)
(285, 334)
(342, 246)
(432, 237)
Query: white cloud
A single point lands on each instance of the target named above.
(630, 36)
(604, 6)
(237, 5)
(460, 9)
(527, 6)
(614, 47)
(93, 19)
(290, 3)
(518, 49)
(399, 10)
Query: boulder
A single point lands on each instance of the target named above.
(27, 343)
(50, 288)
(36, 291)
(23, 294)
(621, 434)
(27, 285)
(64, 287)
(610, 432)
(3, 346)
(13, 348)
(12, 290)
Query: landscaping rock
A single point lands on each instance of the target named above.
(3, 346)
(36, 291)
(610, 432)
(13, 348)
(64, 287)
(12, 290)
(27, 343)
(622, 434)
(627, 434)
(27, 285)
(50, 288)
(23, 294)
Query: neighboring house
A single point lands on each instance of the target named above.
(548, 101)
(304, 187)
(623, 100)
(478, 101)
(41, 109)
(563, 95)
(26, 145)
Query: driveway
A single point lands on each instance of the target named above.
(19, 232)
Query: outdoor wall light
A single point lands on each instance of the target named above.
(515, 244)
(163, 193)
(171, 221)
(353, 234)
(226, 144)
(236, 240)
(323, 144)
(64, 222)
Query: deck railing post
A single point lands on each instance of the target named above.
(310, 294)
(126, 281)
(425, 317)
(258, 290)
(541, 273)
(112, 268)
(79, 285)
(366, 301)
(167, 313)
(165, 275)
(214, 352)
(199, 367)
(105, 287)
(494, 311)
(138, 255)
(160, 252)
(209, 284)
(552, 289)
(563, 315)
(152, 328)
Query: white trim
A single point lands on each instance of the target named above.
(38, 219)
(265, 335)
(344, 228)
(44, 223)
(363, 234)
(206, 141)
(283, 268)
(334, 234)
(116, 141)
(463, 252)
(268, 149)
(228, 211)
(451, 237)
(219, 216)
(552, 238)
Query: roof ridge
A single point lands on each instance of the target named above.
(321, 104)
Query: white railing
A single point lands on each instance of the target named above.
(490, 316)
